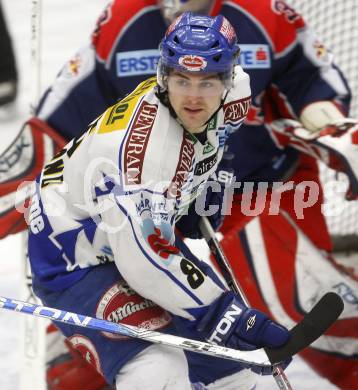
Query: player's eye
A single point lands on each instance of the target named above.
(182, 82)
(206, 84)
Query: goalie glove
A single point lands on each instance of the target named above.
(20, 163)
(336, 145)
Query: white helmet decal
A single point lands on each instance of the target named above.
(193, 63)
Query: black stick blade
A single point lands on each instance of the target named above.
(313, 325)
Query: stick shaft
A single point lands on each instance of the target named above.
(215, 247)
(257, 357)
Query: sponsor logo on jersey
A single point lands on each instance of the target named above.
(321, 51)
(205, 165)
(228, 31)
(74, 66)
(255, 56)
(193, 63)
(119, 116)
(223, 177)
(160, 245)
(236, 111)
(86, 348)
(208, 148)
(144, 62)
(137, 62)
(184, 165)
(34, 217)
(18, 157)
(121, 304)
(153, 208)
(212, 125)
(137, 141)
(280, 7)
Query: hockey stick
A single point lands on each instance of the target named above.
(313, 325)
(257, 357)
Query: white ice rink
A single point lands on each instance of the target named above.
(66, 26)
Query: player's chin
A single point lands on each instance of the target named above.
(194, 127)
(194, 120)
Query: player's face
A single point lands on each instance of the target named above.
(194, 97)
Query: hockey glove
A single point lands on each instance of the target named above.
(231, 323)
(335, 144)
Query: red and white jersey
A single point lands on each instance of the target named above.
(288, 65)
(114, 194)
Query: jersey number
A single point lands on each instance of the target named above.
(195, 276)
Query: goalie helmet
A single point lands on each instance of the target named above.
(173, 8)
(201, 44)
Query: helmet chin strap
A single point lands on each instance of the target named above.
(219, 108)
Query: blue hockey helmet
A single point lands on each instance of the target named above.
(198, 43)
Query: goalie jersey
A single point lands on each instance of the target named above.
(114, 194)
(289, 68)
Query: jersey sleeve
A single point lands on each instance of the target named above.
(84, 87)
(78, 95)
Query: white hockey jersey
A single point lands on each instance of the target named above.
(115, 193)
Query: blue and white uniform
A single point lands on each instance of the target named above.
(113, 195)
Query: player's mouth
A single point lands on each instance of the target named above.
(193, 111)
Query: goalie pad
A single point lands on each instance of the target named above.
(66, 369)
(336, 145)
(284, 273)
(20, 163)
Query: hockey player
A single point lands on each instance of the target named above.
(292, 76)
(101, 223)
